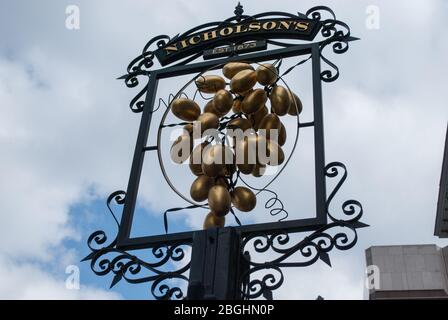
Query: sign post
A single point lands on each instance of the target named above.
(223, 263)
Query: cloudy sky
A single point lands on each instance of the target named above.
(67, 135)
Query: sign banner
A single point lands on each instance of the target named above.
(263, 29)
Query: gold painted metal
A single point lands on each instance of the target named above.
(256, 117)
(219, 200)
(232, 68)
(282, 135)
(213, 221)
(269, 122)
(200, 188)
(206, 121)
(280, 100)
(243, 199)
(240, 123)
(254, 101)
(294, 99)
(259, 170)
(209, 107)
(223, 101)
(236, 107)
(243, 81)
(267, 74)
(210, 83)
(221, 181)
(185, 109)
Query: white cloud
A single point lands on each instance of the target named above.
(28, 281)
(340, 282)
(47, 134)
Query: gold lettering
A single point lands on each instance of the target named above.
(239, 30)
(209, 35)
(302, 26)
(285, 24)
(184, 44)
(170, 48)
(254, 26)
(193, 41)
(269, 25)
(226, 31)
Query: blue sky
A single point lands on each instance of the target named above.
(81, 215)
(67, 135)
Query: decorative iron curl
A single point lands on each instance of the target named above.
(339, 233)
(339, 41)
(130, 268)
(334, 32)
(97, 240)
(264, 286)
(140, 66)
(305, 253)
(143, 62)
(165, 270)
(352, 209)
(315, 13)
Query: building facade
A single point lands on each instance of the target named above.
(407, 272)
(441, 226)
(413, 271)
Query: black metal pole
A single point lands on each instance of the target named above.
(216, 265)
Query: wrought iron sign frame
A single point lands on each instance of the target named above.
(274, 236)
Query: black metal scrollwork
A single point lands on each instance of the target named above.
(340, 233)
(166, 271)
(334, 32)
(140, 66)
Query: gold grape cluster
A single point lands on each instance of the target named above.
(214, 164)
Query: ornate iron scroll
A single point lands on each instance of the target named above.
(340, 233)
(332, 31)
(167, 269)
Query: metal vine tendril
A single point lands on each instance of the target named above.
(274, 203)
